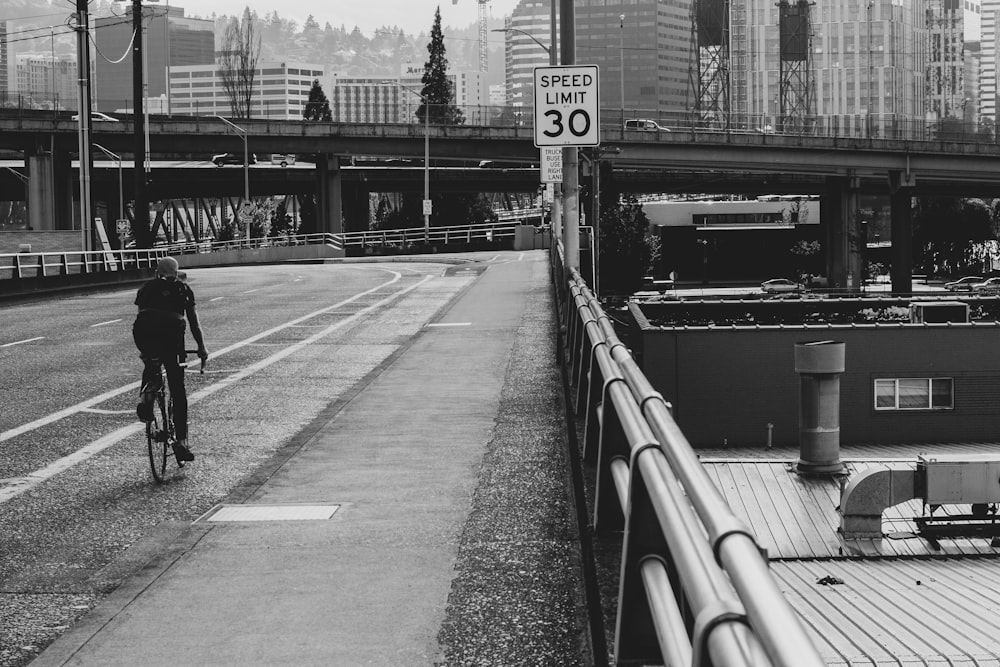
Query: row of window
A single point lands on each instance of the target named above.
(914, 394)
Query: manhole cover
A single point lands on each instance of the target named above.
(270, 513)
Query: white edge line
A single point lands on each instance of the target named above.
(101, 324)
(33, 479)
(449, 324)
(20, 342)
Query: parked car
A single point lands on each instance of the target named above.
(232, 158)
(989, 286)
(97, 117)
(283, 159)
(780, 286)
(644, 125)
(963, 284)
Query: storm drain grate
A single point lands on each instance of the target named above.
(271, 513)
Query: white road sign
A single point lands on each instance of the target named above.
(566, 106)
(552, 164)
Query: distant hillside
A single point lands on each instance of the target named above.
(40, 26)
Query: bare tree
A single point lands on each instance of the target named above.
(238, 63)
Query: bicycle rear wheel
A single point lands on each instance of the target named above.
(158, 438)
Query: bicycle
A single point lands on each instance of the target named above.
(160, 433)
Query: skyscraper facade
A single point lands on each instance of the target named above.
(988, 48)
(954, 32)
(641, 48)
(4, 81)
(170, 40)
(867, 62)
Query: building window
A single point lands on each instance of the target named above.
(915, 394)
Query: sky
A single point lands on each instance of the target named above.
(413, 16)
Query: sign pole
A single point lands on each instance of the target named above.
(571, 174)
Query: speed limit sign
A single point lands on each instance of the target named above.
(566, 106)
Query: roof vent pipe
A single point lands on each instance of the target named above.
(819, 365)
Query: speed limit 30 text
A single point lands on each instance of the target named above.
(565, 88)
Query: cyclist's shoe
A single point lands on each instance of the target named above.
(182, 452)
(144, 410)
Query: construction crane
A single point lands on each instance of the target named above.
(483, 52)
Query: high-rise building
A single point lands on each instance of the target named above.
(989, 46)
(648, 40)
(170, 40)
(954, 33)
(281, 90)
(4, 81)
(857, 51)
(48, 82)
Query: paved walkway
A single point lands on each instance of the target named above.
(452, 539)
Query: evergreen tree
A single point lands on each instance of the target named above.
(318, 107)
(438, 92)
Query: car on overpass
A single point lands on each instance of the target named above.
(644, 125)
(964, 284)
(97, 117)
(988, 286)
(780, 286)
(231, 158)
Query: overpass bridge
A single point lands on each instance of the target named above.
(838, 168)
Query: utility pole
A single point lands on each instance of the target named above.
(141, 222)
(83, 76)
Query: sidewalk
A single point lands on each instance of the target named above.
(452, 539)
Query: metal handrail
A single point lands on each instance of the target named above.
(678, 526)
(45, 264)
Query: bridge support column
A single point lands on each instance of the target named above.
(356, 208)
(901, 212)
(329, 195)
(844, 243)
(49, 191)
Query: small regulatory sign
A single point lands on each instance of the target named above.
(566, 106)
(552, 164)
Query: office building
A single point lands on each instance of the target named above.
(954, 32)
(989, 46)
(5, 90)
(170, 40)
(48, 82)
(281, 90)
(647, 39)
(381, 100)
(855, 51)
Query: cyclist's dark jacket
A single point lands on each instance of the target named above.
(163, 304)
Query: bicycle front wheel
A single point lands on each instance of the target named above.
(158, 438)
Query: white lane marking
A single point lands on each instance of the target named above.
(217, 298)
(250, 291)
(449, 324)
(520, 257)
(21, 342)
(16, 486)
(101, 324)
(97, 400)
(99, 411)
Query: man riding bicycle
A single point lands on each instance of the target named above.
(159, 334)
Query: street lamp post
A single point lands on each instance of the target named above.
(246, 165)
(427, 158)
(121, 191)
